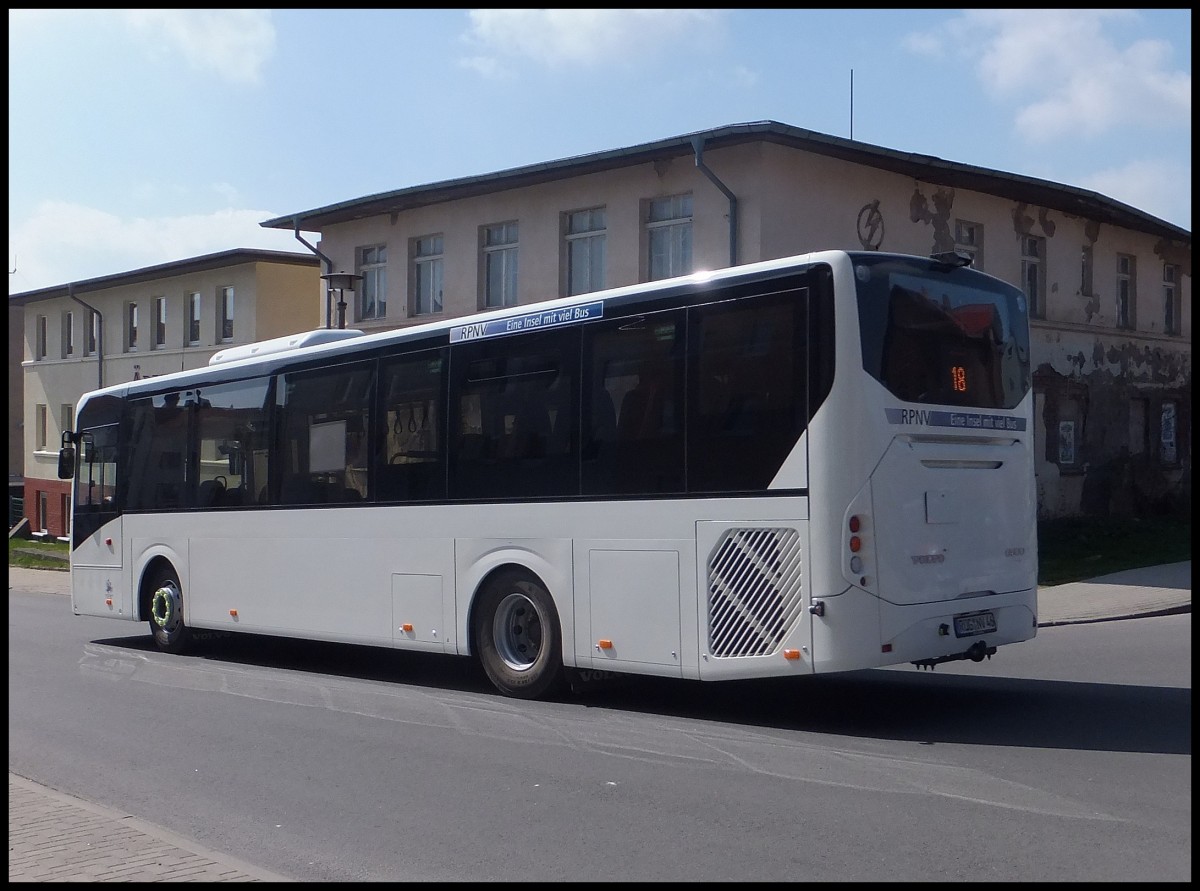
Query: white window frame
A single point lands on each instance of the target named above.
(191, 332)
(585, 240)
(131, 327)
(371, 302)
(968, 239)
(500, 259)
(1172, 306)
(225, 314)
(40, 334)
(1126, 308)
(1033, 274)
(428, 274)
(40, 425)
(160, 323)
(668, 236)
(92, 336)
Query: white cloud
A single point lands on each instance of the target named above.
(63, 242)
(563, 37)
(235, 43)
(1065, 71)
(1160, 188)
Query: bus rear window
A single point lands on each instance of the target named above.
(943, 336)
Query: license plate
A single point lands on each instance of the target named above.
(970, 624)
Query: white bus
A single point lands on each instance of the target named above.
(815, 464)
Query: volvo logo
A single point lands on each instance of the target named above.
(928, 558)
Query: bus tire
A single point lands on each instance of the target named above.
(518, 637)
(167, 627)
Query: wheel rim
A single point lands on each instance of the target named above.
(517, 631)
(165, 607)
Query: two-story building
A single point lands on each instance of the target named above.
(1109, 285)
(146, 322)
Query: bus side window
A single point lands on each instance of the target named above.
(411, 452)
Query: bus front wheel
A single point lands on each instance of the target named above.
(167, 627)
(518, 638)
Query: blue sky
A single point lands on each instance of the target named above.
(139, 137)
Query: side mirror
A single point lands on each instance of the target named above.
(66, 462)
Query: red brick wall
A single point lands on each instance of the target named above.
(58, 496)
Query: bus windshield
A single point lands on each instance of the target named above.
(943, 335)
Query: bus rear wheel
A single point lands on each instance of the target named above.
(167, 627)
(518, 638)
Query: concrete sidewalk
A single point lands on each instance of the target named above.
(53, 837)
(1149, 591)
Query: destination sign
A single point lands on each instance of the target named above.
(963, 420)
(533, 321)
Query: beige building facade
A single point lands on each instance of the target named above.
(143, 323)
(1110, 286)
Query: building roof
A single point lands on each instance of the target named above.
(926, 168)
(204, 263)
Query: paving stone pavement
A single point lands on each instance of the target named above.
(54, 837)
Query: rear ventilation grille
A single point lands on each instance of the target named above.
(755, 591)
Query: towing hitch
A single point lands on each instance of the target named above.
(976, 652)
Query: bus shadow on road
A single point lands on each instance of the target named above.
(921, 707)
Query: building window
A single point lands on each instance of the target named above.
(427, 274)
(43, 517)
(225, 300)
(131, 327)
(39, 427)
(68, 333)
(66, 417)
(39, 338)
(193, 319)
(669, 234)
(160, 322)
(1171, 305)
(1033, 273)
(1066, 442)
(1139, 428)
(372, 290)
(1168, 449)
(1126, 291)
(500, 264)
(1085, 271)
(585, 238)
(968, 239)
(93, 334)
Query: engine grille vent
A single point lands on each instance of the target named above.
(755, 590)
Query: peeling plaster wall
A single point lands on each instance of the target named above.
(1113, 391)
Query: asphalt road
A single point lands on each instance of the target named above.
(1066, 758)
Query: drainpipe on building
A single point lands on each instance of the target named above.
(698, 148)
(99, 335)
(328, 270)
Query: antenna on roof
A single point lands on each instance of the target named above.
(851, 103)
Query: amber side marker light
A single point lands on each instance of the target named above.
(791, 654)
